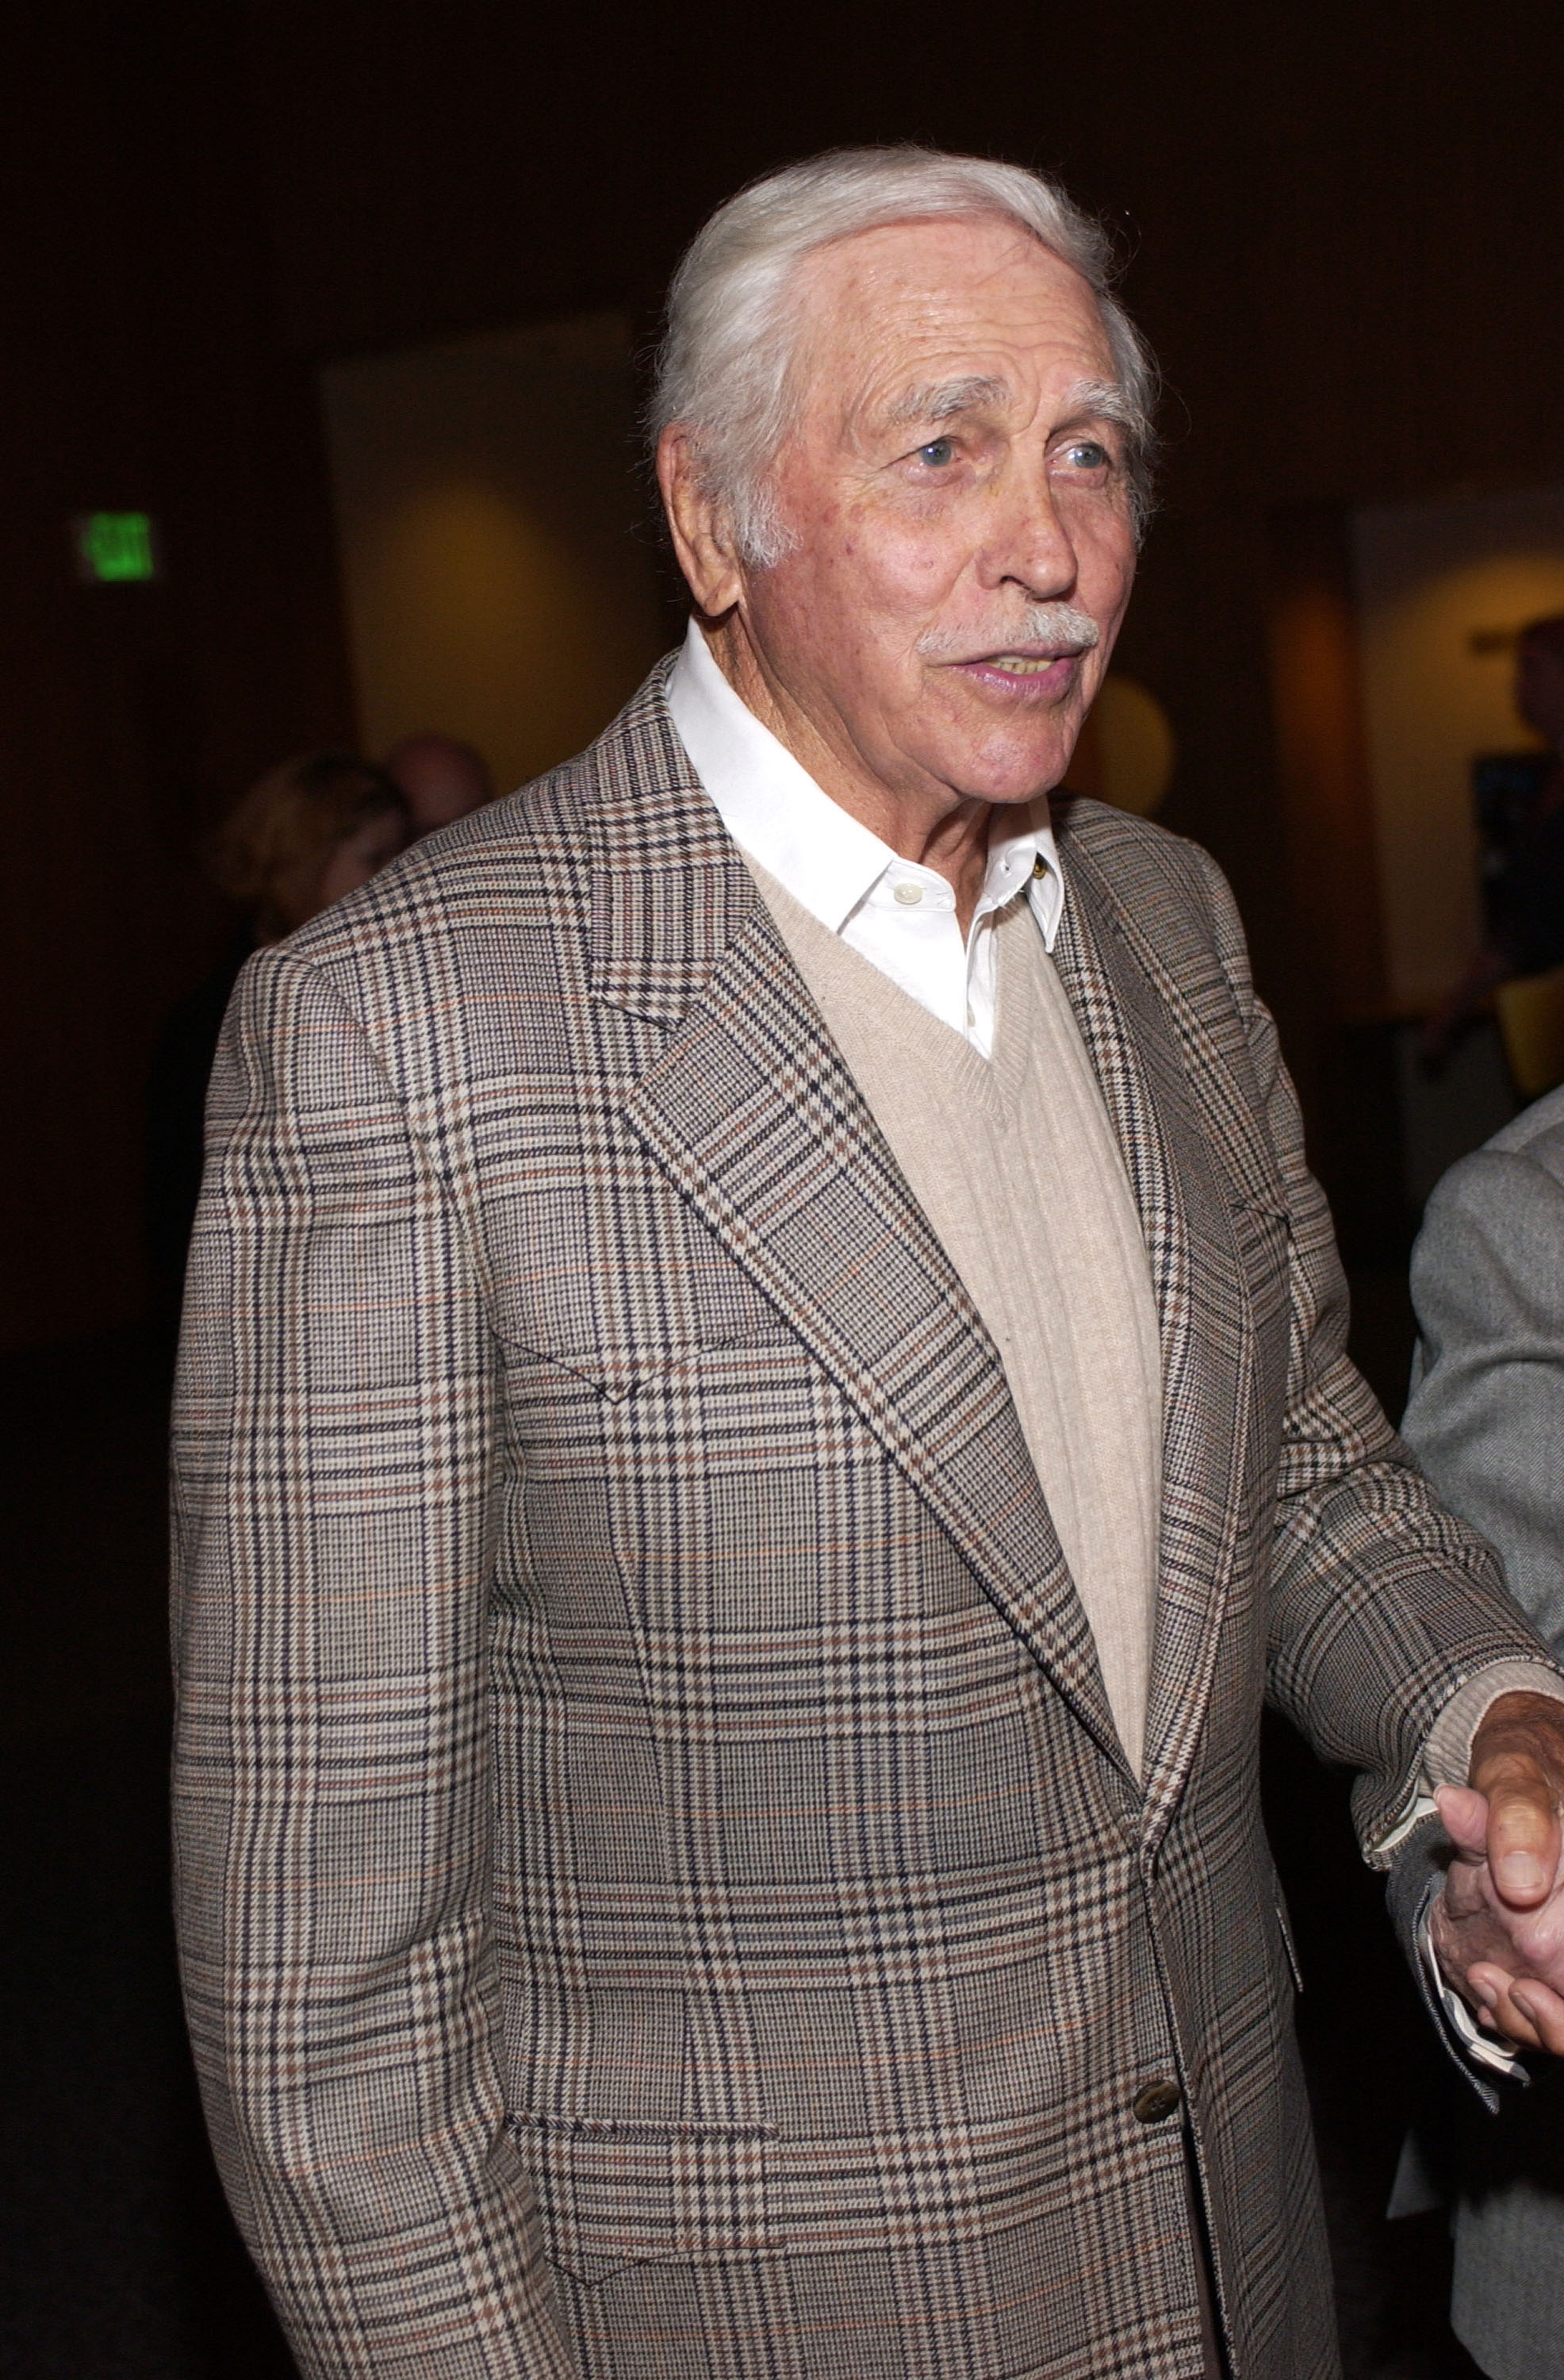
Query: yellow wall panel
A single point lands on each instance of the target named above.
(499, 582)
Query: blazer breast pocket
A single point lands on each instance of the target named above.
(606, 1313)
(618, 1412)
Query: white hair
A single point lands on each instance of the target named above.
(724, 366)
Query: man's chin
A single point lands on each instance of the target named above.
(1014, 775)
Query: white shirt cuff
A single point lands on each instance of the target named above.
(1482, 2048)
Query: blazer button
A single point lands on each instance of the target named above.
(1154, 2102)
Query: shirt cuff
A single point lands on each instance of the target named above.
(1447, 1752)
(1481, 2047)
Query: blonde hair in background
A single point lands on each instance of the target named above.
(272, 849)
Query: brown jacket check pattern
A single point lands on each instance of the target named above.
(662, 1898)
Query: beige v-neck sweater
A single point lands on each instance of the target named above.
(1014, 1162)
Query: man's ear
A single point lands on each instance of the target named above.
(701, 530)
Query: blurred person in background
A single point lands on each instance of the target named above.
(303, 835)
(1486, 1422)
(1526, 898)
(440, 778)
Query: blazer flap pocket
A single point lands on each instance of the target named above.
(614, 2194)
(545, 1380)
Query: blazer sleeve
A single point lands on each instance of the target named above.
(1486, 1413)
(333, 1531)
(1383, 1604)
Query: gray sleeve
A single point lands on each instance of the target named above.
(1486, 1413)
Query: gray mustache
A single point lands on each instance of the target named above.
(1044, 623)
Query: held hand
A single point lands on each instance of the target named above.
(1498, 1925)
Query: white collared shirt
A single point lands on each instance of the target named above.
(900, 916)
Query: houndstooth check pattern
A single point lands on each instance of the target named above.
(660, 1895)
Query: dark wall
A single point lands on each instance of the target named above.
(143, 369)
(1345, 240)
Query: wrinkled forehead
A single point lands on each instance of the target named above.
(908, 305)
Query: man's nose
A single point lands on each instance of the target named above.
(1028, 543)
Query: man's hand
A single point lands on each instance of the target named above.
(1498, 1925)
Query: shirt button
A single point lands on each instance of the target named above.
(909, 896)
(1154, 2102)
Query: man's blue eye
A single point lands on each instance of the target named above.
(1087, 456)
(937, 453)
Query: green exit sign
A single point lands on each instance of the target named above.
(114, 546)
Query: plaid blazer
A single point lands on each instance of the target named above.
(661, 1897)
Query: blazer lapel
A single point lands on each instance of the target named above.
(1125, 1014)
(752, 1112)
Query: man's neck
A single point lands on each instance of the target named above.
(949, 835)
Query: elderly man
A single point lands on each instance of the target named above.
(764, 1401)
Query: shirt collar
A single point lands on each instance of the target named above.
(817, 851)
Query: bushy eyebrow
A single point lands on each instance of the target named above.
(1089, 400)
(944, 400)
(1102, 400)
